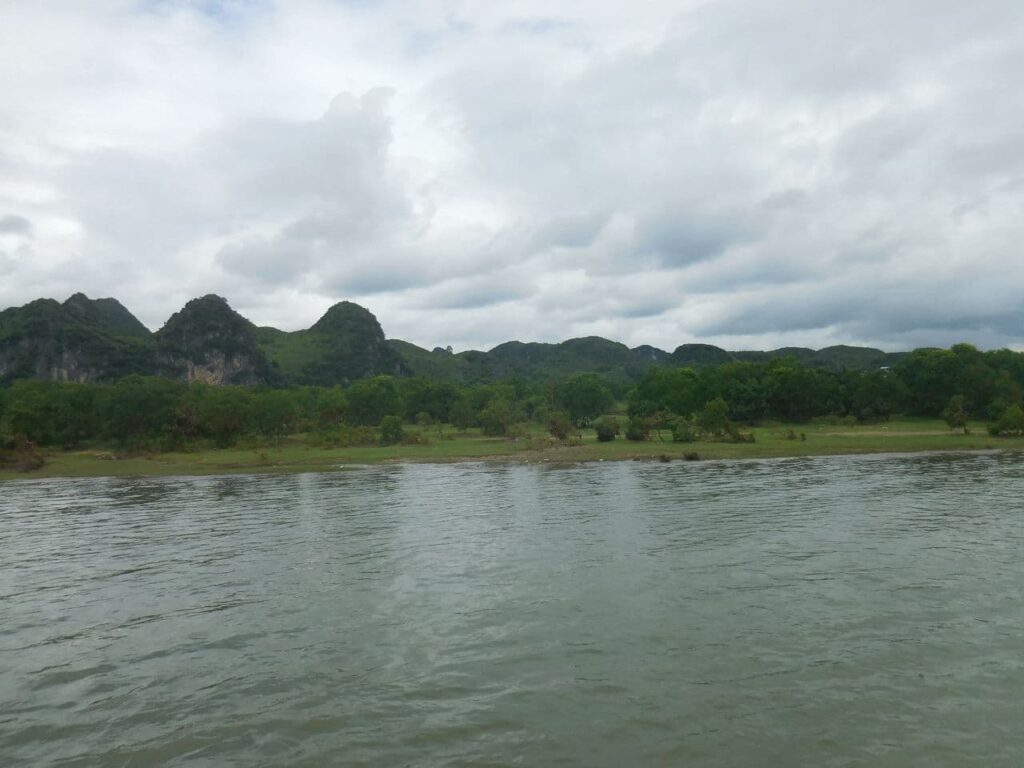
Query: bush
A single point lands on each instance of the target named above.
(21, 454)
(683, 431)
(559, 425)
(607, 428)
(955, 413)
(391, 431)
(1010, 422)
(517, 432)
(496, 418)
(733, 435)
(416, 438)
(713, 419)
(346, 437)
(638, 429)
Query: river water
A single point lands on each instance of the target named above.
(809, 612)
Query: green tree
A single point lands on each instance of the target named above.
(462, 415)
(274, 413)
(877, 396)
(739, 384)
(1010, 422)
(713, 419)
(559, 424)
(138, 409)
(797, 393)
(683, 430)
(930, 375)
(496, 418)
(29, 414)
(331, 406)
(224, 414)
(677, 390)
(370, 400)
(391, 430)
(955, 413)
(638, 429)
(584, 397)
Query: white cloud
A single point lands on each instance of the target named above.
(724, 171)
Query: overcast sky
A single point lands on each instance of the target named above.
(744, 173)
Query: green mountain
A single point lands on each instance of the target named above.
(87, 339)
(80, 340)
(208, 341)
(108, 314)
(439, 364)
(699, 356)
(836, 358)
(346, 344)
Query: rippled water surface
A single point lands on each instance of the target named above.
(836, 611)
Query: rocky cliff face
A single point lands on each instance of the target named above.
(81, 340)
(208, 341)
(96, 340)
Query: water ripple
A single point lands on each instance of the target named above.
(823, 611)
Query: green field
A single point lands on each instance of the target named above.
(297, 454)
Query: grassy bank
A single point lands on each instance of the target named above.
(299, 454)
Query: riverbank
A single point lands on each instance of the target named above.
(298, 454)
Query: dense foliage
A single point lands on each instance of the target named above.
(152, 413)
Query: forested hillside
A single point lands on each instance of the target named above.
(98, 340)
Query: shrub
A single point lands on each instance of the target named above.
(559, 424)
(346, 437)
(638, 429)
(955, 413)
(683, 431)
(391, 431)
(496, 418)
(23, 455)
(733, 435)
(713, 419)
(607, 428)
(517, 432)
(1010, 422)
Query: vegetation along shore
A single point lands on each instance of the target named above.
(87, 390)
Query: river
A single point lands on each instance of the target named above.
(839, 611)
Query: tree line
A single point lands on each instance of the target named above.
(151, 413)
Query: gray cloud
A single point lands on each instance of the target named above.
(727, 171)
(15, 225)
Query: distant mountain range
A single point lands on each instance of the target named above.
(93, 340)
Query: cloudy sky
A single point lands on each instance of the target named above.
(740, 172)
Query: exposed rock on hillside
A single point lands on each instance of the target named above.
(208, 341)
(81, 340)
(91, 340)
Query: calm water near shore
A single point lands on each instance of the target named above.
(837, 611)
